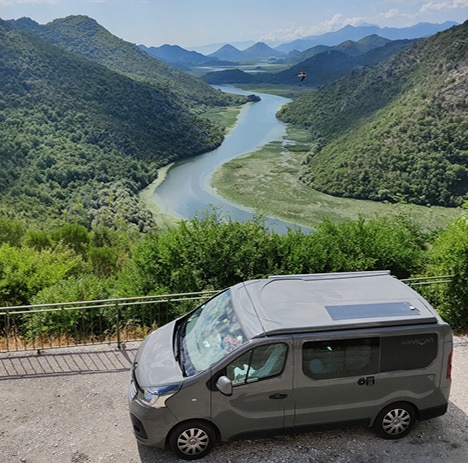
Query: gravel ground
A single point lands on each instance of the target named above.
(70, 405)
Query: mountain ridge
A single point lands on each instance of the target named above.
(79, 140)
(257, 51)
(227, 52)
(85, 37)
(356, 33)
(394, 132)
(180, 58)
(327, 65)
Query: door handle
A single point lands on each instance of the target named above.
(278, 396)
(369, 381)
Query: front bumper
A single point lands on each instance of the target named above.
(150, 425)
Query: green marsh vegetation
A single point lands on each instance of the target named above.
(268, 181)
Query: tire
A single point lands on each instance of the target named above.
(192, 440)
(395, 421)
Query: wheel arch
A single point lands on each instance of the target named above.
(195, 420)
(392, 402)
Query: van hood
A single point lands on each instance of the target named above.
(155, 364)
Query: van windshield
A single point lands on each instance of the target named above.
(209, 334)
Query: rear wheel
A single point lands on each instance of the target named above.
(192, 440)
(395, 421)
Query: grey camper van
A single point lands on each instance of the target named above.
(288, 353)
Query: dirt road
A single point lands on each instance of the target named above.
(70, 405)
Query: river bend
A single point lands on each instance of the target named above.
(186, 190)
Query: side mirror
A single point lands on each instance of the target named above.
(224, 385)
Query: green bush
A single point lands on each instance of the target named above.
(212, 253)
(449, 256)
(204, 253)
(81, 324)
(380, 244)
(24, 271)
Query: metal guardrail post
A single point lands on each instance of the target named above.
(7, 330)
(117, 323)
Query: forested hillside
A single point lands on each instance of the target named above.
(83, 36)
(396, 131)
(80, 140)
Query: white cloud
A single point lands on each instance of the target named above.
(425, 9)
(395, 13)
(447, 5)
(335, 23)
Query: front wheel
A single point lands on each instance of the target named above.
(395, 421)
(192, 440)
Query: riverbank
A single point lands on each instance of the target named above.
(145, 195)
(186, 193)
(267, 180)
(226, 118)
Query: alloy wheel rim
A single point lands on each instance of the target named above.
(396, 421)
(193, 441)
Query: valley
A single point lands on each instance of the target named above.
(265, 182)
(89, 121)
(373, 86)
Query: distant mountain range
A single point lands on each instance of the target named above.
(321, 64)
(349, 47)
(334, 38)
(183, 59)
(259, 50)
(229, 54)
(357, 33)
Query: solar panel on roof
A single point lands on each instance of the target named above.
(374, 310)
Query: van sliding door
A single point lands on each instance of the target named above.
(337, 381)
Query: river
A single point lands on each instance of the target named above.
(186, 190)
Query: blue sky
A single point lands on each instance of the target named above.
(191, 23)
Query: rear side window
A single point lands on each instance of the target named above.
(340, 358)
(408, 352)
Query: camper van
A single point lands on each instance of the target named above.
(288, 353)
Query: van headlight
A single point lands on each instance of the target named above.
(156, 396)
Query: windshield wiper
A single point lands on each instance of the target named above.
(179, 349)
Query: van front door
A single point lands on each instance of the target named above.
(261, 396)
(338, 381)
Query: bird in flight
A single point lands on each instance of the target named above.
(302, 75)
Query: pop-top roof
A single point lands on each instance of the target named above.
(324, 302)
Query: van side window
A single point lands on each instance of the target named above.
(340, 358)
(257, 364)
(408, 352)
